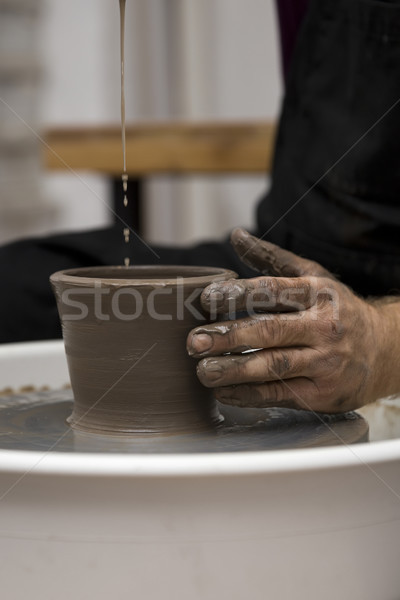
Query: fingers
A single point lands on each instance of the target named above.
(300, 393)
(270, 259)
(257, 367)
(267, 294)
(260, 331)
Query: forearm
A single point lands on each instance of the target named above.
(387, 370)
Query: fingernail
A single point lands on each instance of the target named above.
(239, 235)
(240, 231)
(200, 342)
(215, 300)
(213, 296)
(216, 296)
(209, 371)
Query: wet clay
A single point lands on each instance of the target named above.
(38, 421)
(125, 331)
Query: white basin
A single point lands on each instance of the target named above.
(312, 524)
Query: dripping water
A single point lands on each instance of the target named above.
(126, 231)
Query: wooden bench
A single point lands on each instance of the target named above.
(183, 148)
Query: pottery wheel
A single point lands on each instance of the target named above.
(37, 421)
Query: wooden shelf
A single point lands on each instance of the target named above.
(159, 148)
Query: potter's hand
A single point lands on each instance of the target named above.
(317, 345)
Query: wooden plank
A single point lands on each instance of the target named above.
(156, 148)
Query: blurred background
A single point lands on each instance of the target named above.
(185, 59)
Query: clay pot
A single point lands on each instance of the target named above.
(125, 332)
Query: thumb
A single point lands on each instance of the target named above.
(270, 259)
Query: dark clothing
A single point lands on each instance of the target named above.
(337, 158)
(336, 175)
(291, 14)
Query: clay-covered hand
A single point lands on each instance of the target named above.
(309, 342)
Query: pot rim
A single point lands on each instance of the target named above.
(206, 276)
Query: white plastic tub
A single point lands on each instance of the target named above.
(314, 524)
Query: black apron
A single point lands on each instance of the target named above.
(335, 196)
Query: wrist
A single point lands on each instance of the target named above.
(385, 364)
